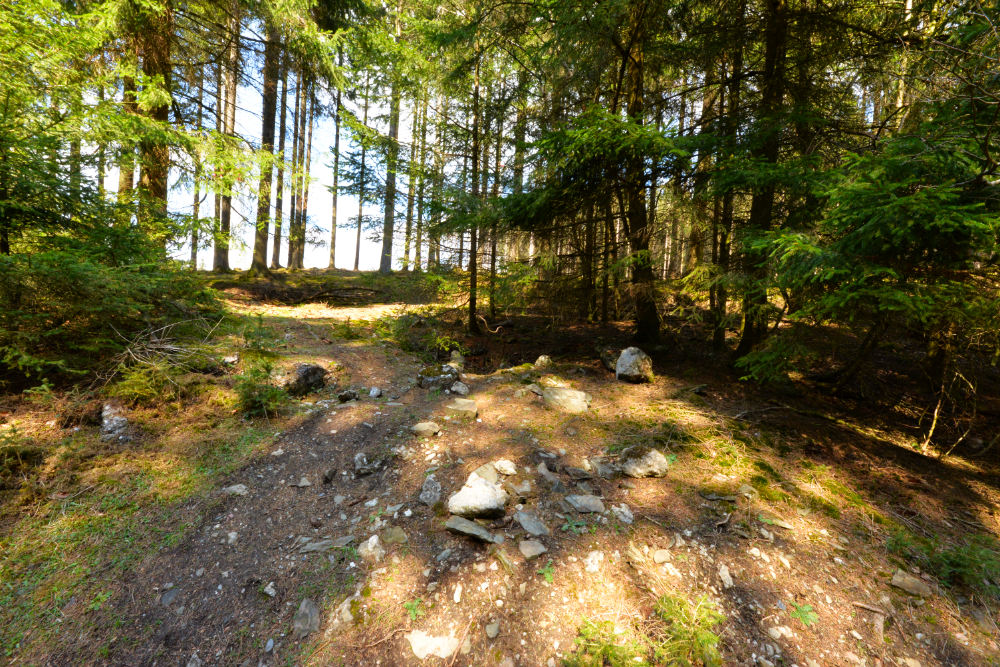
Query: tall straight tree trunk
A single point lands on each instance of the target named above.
(336, 172)
(473, 233)
(766, 150)
(196, 204)
(293, 176)
(420, 188)
(126, 161)
(295, 236)
(646, 314)
(389, 208)
(361, 181)
(279, 199)
(411, 186)
(232, 79)
(497, 154)
(434, 244)
(219, 244)
(269, 102)
(155, 152)
(300, 254)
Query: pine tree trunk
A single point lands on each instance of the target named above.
(411, 187)
(269, 101)
(389, 207)
(196, 204)
(473, 240)
(232, 79)
(361, 182)
(279, 199)
(155, 152)
(336, 172)
(126, 161)
(420, 188)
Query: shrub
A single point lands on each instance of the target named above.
(258, 395)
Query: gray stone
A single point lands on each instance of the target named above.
(306, 619)
(911, 584)
(562, 399)
(303, 482)
(585, 504)
(374, 392)
(437, 377)
(531, 523)
(343, 541)
(306, 378)
(609, 357)
(457, 524)
(643, 461)
(464, 408)
(371, 549)
(478, 498)
(623, 513)
(578, 473)
(236, 490)
(425, 429)
(492, 629)
(114, 425)
(347, 395)
(395, 535)
(329, 475)
(319, 546)
(430, 492)
(362, 466)
(269, 646)
(168, 597)
(456, 360)
(602, 468)
(634, 365)
(425, 645)
(543, 361)
(725, 577)
(459, 388)
(531, 549)
(486, 471)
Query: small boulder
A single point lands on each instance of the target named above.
(430, 492)
(394, 535)
(634, 365)
(362, 466)
(478, 498)
(114, 425)
(505, 467)
(643, 461)
(585, 503)
(911, 584)
(437, 377)
(531, 549)
(463, 408)
(531, 523)
(623, 513)
(306, 378)
(562, 399)
(347, 395)
(374, 392)
(459, 388)
(371, 549)
(609, 357)
(543, 361)
(425, 429)
(236, 490)
(425, 645)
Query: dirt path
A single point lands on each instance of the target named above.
(762, 540)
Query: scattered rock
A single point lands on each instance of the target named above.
(602, 468)
(430, 492)
(585, 504)
(643, 461)
(911, 584)
(269, 646)
(269, 590)
(478, 498)
(459, 388)
(362, 466)
(727, 579)
(531, 523)
(316, 522)
(425, 645)
(609, 357)
(437, 377)
(114, 425)
(371, 549)
(329, 475)
(578, 473)
(661, 556)
(562, 399)
(231, 537)
(493, 629)
(230, 359)
(394, 535)
(505, 467)
(374, 392)
(457, 524)
(623, 513)
(593, 561)
(543, 361)
(195, 661)
(485, 471)
(464, 408)
(236, 490)
(306, 378)
(168, 597)
(531, 548)
(319, 546)
(456, 360)
(347, 395)
(306, 619)
(303, 482)
(425, 429)
(343, 541)
(634, 365)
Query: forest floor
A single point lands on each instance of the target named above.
(779, 527)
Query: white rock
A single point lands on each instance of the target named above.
(236, 490)
(505, 467)
(623, 513)
(727, 580)
(425, 645)
(371, 549)
(478, 498)
(634, 365)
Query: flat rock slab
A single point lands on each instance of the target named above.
(911, 584)
(425, 645)
(531, 549)
(464, 408)
(236, 490)
(531, 523)
(306, 619)
(585, 504)
(457, 524)
(562, 399)
(425, 429)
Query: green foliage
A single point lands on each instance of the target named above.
(547, 571)
(973, 563)
(257, 392)
(683, 636)
(414, 608)
(420, 331)
(804, 613)
(145, 384)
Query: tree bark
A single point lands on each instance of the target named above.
(361, 179)
(389, 208)
(155, 152)
(269, 101)
(411, 186)
(336, 172)
(232, 79)
(279, 199)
